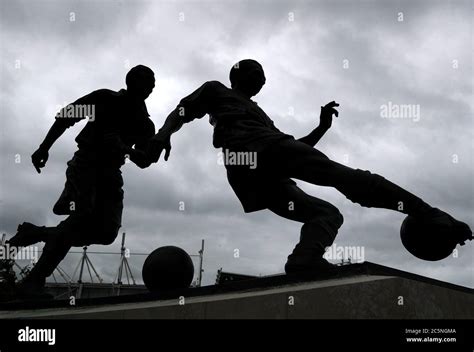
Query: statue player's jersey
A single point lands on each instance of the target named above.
(114, 114)
(239, 123)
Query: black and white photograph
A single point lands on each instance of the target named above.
(237, 160)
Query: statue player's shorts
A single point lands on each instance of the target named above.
(93, 199)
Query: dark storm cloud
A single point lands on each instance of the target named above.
(97, 21)
(187, 43)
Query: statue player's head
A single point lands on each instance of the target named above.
(140, 81)
(247, 76)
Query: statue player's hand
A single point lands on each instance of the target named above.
(39, 159)
(325, 119)
(156, 145)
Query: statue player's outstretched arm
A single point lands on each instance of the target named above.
(325, 122)
(63, 120)
(192, 107)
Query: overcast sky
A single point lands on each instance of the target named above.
(363, 54)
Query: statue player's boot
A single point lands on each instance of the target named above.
(316, 264)
(459, 230)
(307, 256)
(31, 289)
(27, 234)
(316, 236)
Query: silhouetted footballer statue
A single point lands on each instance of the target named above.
(93, 195)
(240, 125)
